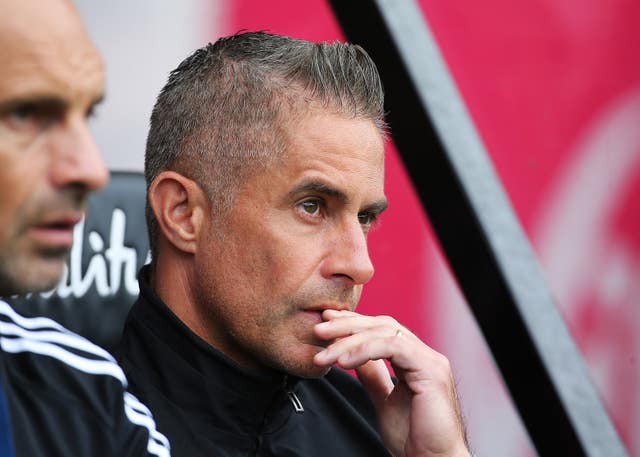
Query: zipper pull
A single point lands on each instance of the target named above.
(297, 404)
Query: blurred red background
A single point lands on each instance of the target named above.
(554, 91)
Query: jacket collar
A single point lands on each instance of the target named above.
(201, 378)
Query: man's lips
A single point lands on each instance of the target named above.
(324, 307)
(55, 231)
(314, 313)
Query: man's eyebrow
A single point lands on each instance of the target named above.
(51, 102)
(377, 207)
(36, 100)
(320, 188)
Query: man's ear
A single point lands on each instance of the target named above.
(180, 206)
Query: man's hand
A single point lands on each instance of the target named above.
(419, 416)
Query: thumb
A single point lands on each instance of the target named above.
(376, 379)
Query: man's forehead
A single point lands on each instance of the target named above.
(313, 122)
(39, 58)
(41, 73)
(36, 14)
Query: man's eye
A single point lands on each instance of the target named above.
(311, 207)
(30, 116)
(22, 113)
(366, 218)
(92, 112)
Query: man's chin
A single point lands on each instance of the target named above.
(34, 275)
(310, 372)
(299, 362)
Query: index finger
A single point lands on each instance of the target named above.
(339, 324)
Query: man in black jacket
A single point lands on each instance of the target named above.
(60, 395)
(265, 167)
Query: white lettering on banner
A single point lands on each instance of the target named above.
(106, 269)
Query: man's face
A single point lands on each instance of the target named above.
(51, 77)
(294, 244)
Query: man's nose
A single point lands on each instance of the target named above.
(75, 158)
(349, 255)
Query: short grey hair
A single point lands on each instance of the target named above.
(222, 114)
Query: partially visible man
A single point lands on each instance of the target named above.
(265, 167)
(59, 394)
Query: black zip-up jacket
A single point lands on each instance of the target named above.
(209, 406)
(62, 396)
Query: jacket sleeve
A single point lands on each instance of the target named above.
(137, 434)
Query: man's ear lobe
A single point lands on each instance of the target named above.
(179, 205)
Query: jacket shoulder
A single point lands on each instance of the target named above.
(55, 376)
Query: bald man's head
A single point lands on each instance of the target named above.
(51, 77)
